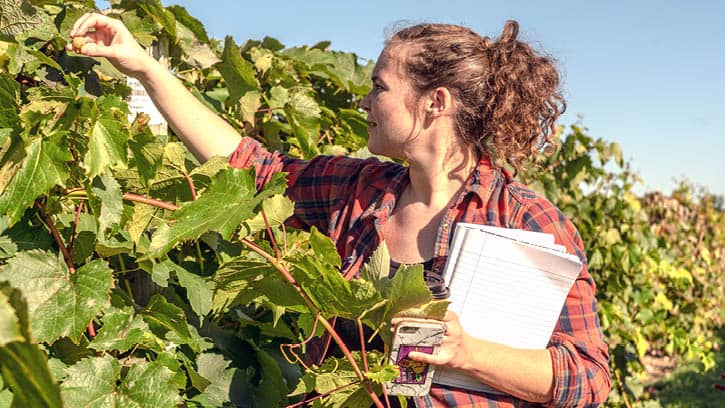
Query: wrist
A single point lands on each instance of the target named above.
(148, 69)
(470, 350)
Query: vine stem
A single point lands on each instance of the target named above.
(271, 237)
(286, 274)
(150, 201)
(363, 352)
(72, 241)
(67, 257)
(191, 186)
(325, 323)
(323, 395)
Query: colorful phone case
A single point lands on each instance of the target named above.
(415, 377)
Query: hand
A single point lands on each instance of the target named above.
(107, 37)
(452, 352)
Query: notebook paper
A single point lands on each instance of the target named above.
(507, 286)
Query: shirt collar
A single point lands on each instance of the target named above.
(484, 177)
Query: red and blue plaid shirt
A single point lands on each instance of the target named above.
(350, 200)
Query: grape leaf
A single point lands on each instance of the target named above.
(168, 321)
(9, 96)
(161, 15)
(59, 303)
(148, 153)
(18, 16)
(105, 199)
(122, 327)
(94, 382)
(276, 208)
(229, 200)
(107, 146)
(271, 390)
(9, 322)
(330, 292)
(183, 17)
(237, 72)
(24, 365)
(43, 168)
(199, 290)
(216, 370)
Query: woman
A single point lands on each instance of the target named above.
(455, 106)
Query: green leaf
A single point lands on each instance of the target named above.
(59, 303)
(105, 199)
(164, 317)
(249, 104)
(338, 372)
(141, 219)
(43, 168)
(122, 327)
(9, 322)
(382, 374)
(17, 17)
(196, 53)
(330, 292)
(160, 272)
(229, 200)
(216, 369)
(303, 113)
(199, 290)
(9, 97)
(276, 208)
(242, 280)
(156, 11)
(237, 72)
(148, 153)
(94, 382)
(324, 248)
(24, 365)
(107, 146)
(378, 266)
(8, 247)
(182, 16)
(271, 390)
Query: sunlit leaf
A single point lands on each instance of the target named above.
(59, 303)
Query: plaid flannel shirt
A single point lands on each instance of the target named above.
(350, 199)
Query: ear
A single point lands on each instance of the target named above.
(440, 101)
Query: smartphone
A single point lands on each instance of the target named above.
(415, 377)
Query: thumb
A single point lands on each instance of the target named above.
(423, 357)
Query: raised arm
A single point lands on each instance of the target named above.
(203, 131)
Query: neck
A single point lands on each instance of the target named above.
(436, 175)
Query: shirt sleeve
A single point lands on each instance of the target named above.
(318, 186)
(578, 351)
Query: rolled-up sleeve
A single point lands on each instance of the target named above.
(578, 351)
(318, 187)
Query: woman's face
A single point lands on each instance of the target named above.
(392, 108)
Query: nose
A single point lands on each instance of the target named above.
(365, 103)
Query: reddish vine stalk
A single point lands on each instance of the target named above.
(291, 280)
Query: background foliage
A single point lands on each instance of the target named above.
(131, 274)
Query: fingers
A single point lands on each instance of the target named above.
(95, 21)
(425, 358)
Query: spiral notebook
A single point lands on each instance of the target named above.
(507, 286)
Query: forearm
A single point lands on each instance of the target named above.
(202, 131)
(525, 374)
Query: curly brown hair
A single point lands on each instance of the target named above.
(507, 94)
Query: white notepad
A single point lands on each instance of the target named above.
(507, 286)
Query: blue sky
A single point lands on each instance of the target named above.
(649, 75)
